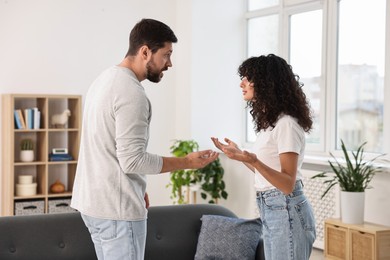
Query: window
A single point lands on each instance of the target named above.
(258, 4)
(263, 35)
(360, 73)
(338, 50)
(262, 39)
(306, 59)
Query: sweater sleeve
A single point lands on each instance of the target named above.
(132, 112)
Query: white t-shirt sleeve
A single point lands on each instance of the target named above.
(289, 135)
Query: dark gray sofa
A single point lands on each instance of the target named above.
(172, 234)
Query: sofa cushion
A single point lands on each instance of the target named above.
(228, 238)
(173, 230)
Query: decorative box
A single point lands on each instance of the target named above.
(60, 206)
(29, 207)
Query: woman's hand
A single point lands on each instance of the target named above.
(222, 146)
(233, 152)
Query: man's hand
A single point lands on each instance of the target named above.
(196, 160)
(146, 198)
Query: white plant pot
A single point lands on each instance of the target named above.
(27, 155)
(352, 207)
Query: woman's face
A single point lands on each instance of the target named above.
(247, 89)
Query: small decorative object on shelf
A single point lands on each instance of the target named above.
(60, 120)
(27, 150)
(26, 186)
(57, 187)
(59, 150)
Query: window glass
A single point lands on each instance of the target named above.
(263, 35)
(258, 4)
(360, 73)
(262, 40)
(305, 59)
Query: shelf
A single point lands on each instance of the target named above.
(38, 196)
(45, 138)
(59, 195)
(357, 242)
(61, 162)
(29, 163)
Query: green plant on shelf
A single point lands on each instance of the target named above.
(26, 145)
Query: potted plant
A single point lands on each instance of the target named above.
(353, 176)
(212, 182)
(181, 178)
(26, 150)
(209, 179)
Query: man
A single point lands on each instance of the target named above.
(109, 189)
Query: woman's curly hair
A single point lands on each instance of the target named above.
(277, 91)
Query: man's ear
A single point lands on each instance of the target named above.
(145, 52)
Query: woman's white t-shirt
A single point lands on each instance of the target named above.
(286, 136)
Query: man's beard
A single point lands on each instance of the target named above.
(153, 74)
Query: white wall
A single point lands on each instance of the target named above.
(218, 49)
(59, 47)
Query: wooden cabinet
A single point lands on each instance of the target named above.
(44, 170)
(358, 242)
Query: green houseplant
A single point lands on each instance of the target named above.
(209, 178)
(26, 150)
(212, 182)
(353, 176)
(181, 178)
(26, 144)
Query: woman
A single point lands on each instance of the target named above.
(281, 115)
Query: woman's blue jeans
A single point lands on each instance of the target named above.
(117, 240)
(288, 224)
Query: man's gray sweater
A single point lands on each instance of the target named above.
(110, 179)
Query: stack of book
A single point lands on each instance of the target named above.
(60, 157)
(29, 118)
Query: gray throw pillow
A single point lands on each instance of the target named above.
(225, 238)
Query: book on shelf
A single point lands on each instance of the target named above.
(29, 118)
(28, 114)
(19, 120)
(60, 157)
(37, 118)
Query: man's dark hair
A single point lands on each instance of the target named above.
(151, 33)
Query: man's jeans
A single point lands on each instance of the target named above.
(117, 240)
(288, 224)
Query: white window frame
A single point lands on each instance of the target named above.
(328, 103)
